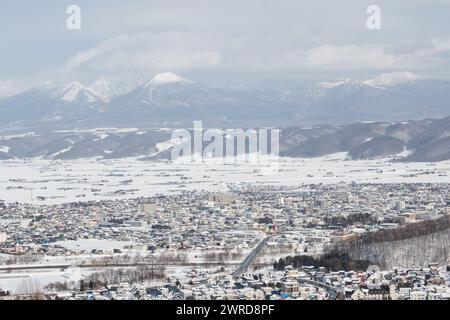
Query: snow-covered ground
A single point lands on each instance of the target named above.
(91, 244)
(49, 181)
(16, 282)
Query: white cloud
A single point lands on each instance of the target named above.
(249, 40)
(81, 58)
(376, 57)
(184, 52)
(350, 57)
(152, 52)
(10, 87)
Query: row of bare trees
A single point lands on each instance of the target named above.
(21, 259)
(30, 288)
(116, 276)
(223, 256)
(138, 259)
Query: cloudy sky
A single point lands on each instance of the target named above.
(247, 42)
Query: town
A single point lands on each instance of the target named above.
(229, 245)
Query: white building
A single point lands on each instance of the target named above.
(418, 295)
(3, 237)
(147, 207)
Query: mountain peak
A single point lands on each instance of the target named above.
(167, 78)
(392, 79)
(73, 91)
(330, 85)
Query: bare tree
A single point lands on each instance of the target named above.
(32, 289)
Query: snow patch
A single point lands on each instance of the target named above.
(331, 85)
(167, 78)
(73, 91)
(392, 79)
(4, 149)
(166, 145)
(62, 151)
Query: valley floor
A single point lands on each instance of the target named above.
(53, 182)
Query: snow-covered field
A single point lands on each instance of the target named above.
(49, 181)
(16, 282)
(91, 244)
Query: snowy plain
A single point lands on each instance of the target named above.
(42, 181)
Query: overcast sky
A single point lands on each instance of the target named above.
(252, 41)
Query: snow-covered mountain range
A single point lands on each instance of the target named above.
(171, 99)
(370, 118)
(425, 140)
